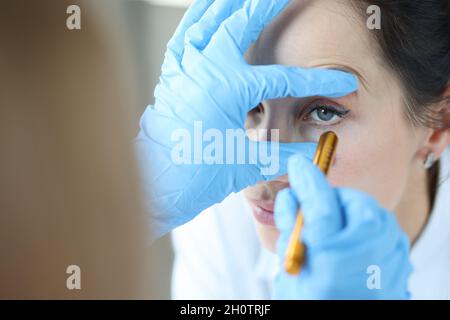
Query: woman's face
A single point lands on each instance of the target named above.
(378, 147)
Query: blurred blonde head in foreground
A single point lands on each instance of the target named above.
(68, 184)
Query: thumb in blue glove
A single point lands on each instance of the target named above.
(348, 237)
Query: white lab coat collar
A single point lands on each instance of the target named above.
(430, 256)
(440, 215)
(267, 267)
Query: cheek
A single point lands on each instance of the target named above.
(375, 159)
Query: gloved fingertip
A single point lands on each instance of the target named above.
(353, 81)
(298, 167)
(330, 83)
(309, 149)
(297, 160)
(349, 80)
(286, 207)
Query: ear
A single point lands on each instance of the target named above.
(439, 138)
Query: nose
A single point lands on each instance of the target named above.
(283, 179)
(270, 189)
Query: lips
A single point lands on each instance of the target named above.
(263, 211)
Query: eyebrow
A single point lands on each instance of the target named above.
(348, 69)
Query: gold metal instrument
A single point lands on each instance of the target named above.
(296, 250)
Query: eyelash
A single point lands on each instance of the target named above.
(342, 114)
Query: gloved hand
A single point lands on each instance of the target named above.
(355, 248)
(207, 87)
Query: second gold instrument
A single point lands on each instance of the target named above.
(296, 250)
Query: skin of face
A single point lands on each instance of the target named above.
(380, 152)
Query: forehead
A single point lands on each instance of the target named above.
(316, 33)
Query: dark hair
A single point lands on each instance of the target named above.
(415, 41)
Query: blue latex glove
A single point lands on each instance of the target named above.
(206, 78)
(350, 241)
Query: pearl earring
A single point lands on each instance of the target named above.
(429, 161)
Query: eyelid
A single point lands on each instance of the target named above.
(323, 102)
